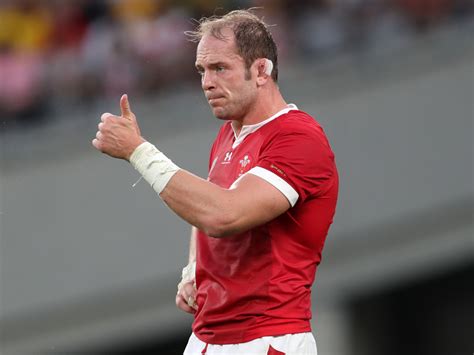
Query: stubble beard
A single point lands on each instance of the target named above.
(236, 110)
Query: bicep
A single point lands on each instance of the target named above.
(256, 202)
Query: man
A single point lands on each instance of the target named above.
(261, 218)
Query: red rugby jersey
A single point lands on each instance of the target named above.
(258, 283)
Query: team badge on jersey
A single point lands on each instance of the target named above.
(244, 164)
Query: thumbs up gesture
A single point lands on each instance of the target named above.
(118, 136)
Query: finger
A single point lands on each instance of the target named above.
(100, 125)
(96, 143)
(189, 294)
(188, 290)
(184, 294)
(125, 107)
(192, 303)
(105, 116)
(182, 304)
(98, 135)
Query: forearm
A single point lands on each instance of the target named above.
(201, 203)
(217, 211)
(186, 296)
(192, 245)
(198, 201)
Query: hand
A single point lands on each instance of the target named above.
(118, 136)
(186, 297)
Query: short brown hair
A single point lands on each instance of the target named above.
(252, 36)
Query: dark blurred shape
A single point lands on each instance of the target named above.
(172, 346)
(426, 13)
(427, 317)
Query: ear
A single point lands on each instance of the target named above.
(268, 67)
(264, 70)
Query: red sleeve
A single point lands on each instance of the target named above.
(302, 157)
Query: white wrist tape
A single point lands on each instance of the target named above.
(154, 166)
(188, 274)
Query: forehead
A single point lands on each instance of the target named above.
(211, 49)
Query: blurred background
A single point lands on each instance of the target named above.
(89, 264)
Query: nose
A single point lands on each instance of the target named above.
(207, 81)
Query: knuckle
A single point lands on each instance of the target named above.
(106, 117)
(189, 288)
(182, 306)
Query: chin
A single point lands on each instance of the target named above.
(220, 113)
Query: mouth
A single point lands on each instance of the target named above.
(214, 100)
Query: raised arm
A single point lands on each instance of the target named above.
(221, 212)
(217, 211)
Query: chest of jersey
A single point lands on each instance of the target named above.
(229, 163)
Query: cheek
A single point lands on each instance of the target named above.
(247, 92)
(241, 89)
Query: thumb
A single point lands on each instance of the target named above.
(125, 107)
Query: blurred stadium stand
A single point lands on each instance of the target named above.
(89, 264)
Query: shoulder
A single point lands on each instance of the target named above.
(299, 125)
(299, 121)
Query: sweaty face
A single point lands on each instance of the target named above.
(227, 84)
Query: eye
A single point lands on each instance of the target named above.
(219, 69)
(200, 72)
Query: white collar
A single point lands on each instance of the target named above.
(247, 129)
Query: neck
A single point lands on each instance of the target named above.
(267, 104)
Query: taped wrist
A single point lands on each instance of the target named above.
(188, 274)
(155, 167)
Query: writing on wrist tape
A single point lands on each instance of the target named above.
(155, 167)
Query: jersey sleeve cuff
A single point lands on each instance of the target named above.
(285, 188)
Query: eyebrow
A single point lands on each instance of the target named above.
(211, 65)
